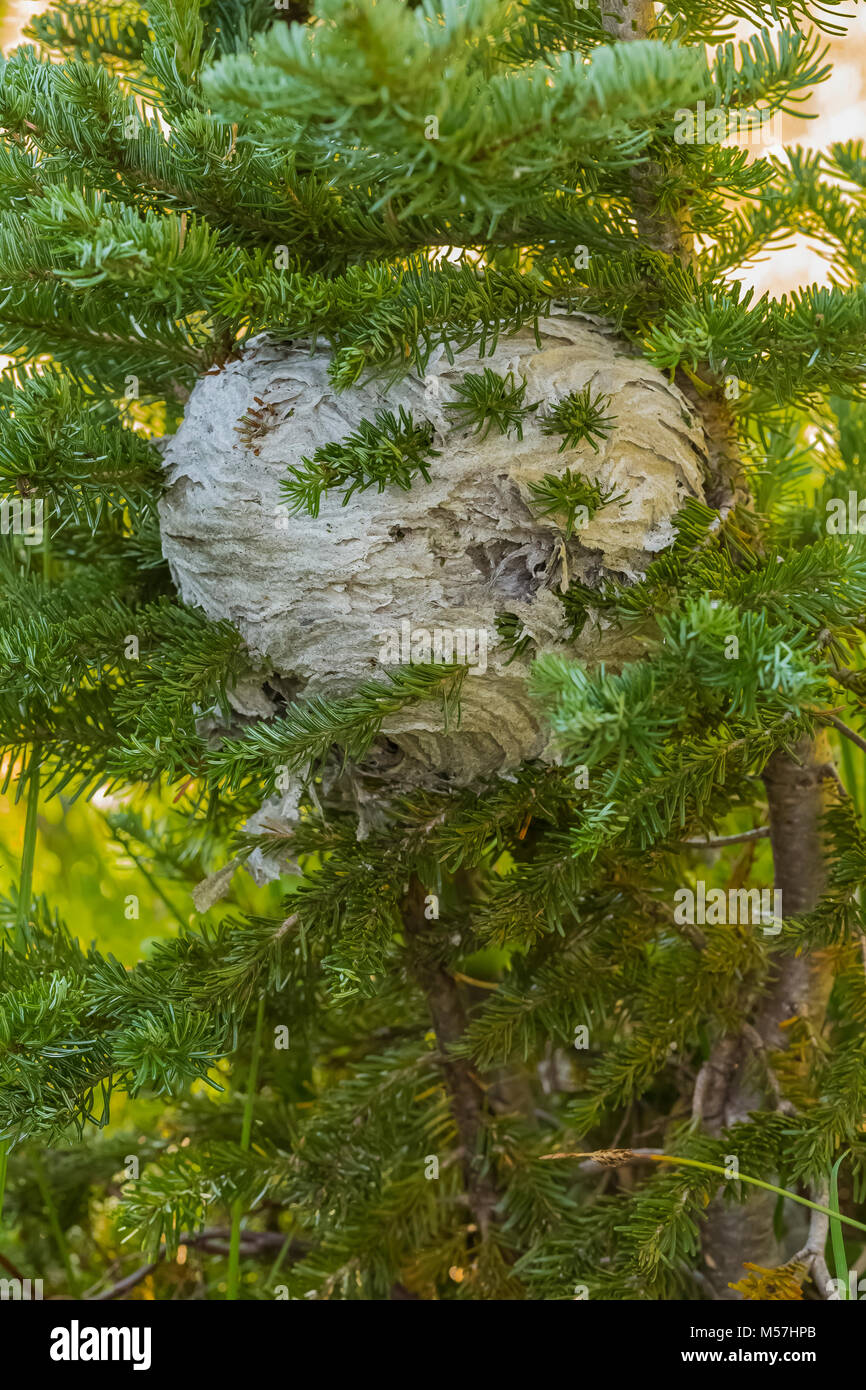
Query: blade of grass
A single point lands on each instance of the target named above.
(54, 1222)
(613, 1157)
(246, 1133)
(278, 1261)
(837, 1239)
(851, 772)
(757, 1182)
(28, 852)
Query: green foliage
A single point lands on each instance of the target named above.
(80, 458)
(393, 181)
(304, 736)
(570, 495)
(403, 69)
(577, 417)
(486, 399)
(388, 452)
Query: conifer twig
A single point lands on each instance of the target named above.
(760, 832)
(148, 876)
(844, 729)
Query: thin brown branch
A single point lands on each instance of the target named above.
(760, 832)
(212, 1241)
(125, 1285)
(812, 1253)
(11, 1268)
(844, 729)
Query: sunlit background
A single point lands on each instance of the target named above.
(839, 109)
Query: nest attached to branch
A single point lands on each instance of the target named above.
(320, 601)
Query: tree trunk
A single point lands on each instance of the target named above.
(738, 1078)
(449, 1024)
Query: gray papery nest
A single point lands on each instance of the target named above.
(325, 603)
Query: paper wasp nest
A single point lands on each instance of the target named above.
(325, 603)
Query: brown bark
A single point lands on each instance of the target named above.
(669, 232)
(738, 1077)
(627, 20)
